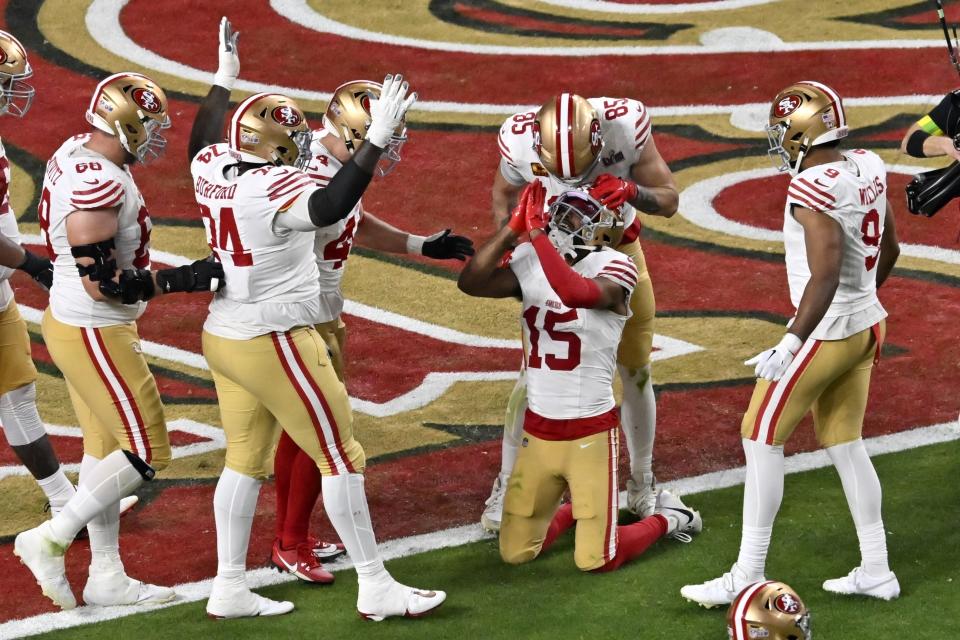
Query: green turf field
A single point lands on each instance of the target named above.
(813, 540)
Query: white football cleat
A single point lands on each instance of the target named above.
(127, 504)
(642, 496)
(237, 601)
(682, 520)
(859, 582)
(111, 588)
(39, 550)
(394, 599)
(493, 513)
(718, 592)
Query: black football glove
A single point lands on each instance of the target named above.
(444, 246)
(202, 275)
(40, 269)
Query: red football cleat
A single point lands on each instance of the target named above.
(326, 550)
(301, 562)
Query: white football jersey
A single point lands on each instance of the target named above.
(78, 178)
(271, 277)
(8, 227)
(332, 244)
(852, 192)
(624, 125)
(570, 355)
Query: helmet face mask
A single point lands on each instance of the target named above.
(777, 154)
(348, 117)
(579, 223)
(16, 96)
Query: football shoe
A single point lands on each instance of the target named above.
(114, 587)
(493, 510)
(681, 519)
(235, 600)
(642, 496)
(39, 550)
(301, 562)
(718, 592)
(394, 599)
(859, 582)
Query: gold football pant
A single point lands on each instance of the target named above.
(544, 470)
(112, 390)
(832, 377)
(334, 334)
(636, 343)
(282, 379)
(16, 363)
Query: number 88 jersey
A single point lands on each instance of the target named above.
(852, 192)
(570, 355)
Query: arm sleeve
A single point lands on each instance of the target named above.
(574, 290)
(335, 202)
(942, 119)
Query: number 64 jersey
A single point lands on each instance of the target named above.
(570, 355)
(852, 192)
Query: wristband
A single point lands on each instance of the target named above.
(415, 244)
(915, 143)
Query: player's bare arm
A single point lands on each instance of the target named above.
(889, 247)
(919, 144)
(823, 237)
(378, 235)
(208, 125)
(504, 198)
(656, 189)
(483, 276)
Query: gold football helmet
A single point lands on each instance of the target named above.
(802, 116)
(269, 127)
(579, 221)
(567, 137)
(134, 108)
(769, 610)
(16, 96)
(348, 117)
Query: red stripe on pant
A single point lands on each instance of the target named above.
(147, 454)
(303, 397)
(790, 385)
(326, 409)
(763, 408)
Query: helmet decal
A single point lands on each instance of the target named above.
(595, 139)
(365, 101)
(286, 115)
(786, 603)
(3, 56)
(147, 100)
(537, 140)
(787, 105)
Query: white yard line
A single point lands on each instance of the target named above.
(457, 536)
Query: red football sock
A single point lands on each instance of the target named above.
(287, 451)
(634, 539)
(562, 520)
(305, 485)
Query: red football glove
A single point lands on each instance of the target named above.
(518, 217)
(613, 192)
(536, 216)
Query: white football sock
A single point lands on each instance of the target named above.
(345, 501)
(19, 416)
(103, 529)
(638, 419)
(864, 497)
(108, 481)
(762, 494)
(513, 426)
(58, 489)
(234, 504)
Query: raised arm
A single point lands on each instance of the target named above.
(208, 125)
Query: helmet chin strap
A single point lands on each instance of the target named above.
(795, 169)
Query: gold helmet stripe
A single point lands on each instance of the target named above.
(835, 101)
(740, 631)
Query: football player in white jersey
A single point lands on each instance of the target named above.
(262, 212)
(605, 144)
(98, 227)
(576, 300)
(841, 245)
(19, 417)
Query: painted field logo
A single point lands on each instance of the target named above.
(787, 105)
(147, 99)
(787, 604)
(287, 116)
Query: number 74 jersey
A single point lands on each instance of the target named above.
(852, 192)
(570, 354)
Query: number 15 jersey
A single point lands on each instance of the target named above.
(270, 274)
(852, 192)
(570, 355)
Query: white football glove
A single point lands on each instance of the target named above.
(229, 67)
(387, 113)
(773, 363)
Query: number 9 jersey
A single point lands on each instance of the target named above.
(271, 277)
(570, 355)
(852, 192)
